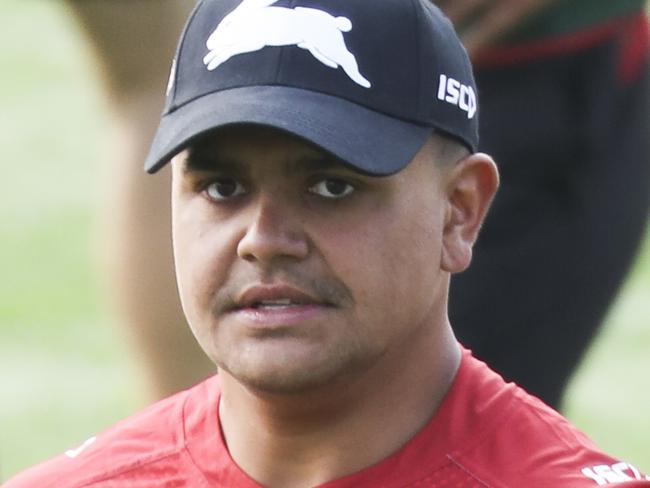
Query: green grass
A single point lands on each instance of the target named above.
(64, 373)
(609, 397)
(60, 354)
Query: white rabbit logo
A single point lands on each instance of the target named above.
(254, 25)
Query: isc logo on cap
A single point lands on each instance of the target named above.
(454, 92)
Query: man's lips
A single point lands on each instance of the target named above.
(277, 306)
(275, 297)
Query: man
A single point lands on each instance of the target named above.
(534, 56)
(325, 187)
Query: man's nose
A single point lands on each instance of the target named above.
(273, 231)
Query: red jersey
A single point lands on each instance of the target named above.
(486, 433)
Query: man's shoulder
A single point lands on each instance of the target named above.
(150, 444)
(533, 445)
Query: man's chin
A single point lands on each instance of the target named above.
(286, 381)
(292, 377)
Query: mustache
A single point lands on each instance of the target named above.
(326, 289)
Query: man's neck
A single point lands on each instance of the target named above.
(308, 439)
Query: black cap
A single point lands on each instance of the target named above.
(366, 80)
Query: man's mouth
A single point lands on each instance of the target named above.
(276, 297)
(277, 304)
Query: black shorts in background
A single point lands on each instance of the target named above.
(571, 140)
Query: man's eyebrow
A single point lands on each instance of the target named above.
(209, 163)
(195, 161)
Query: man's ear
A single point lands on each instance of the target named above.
(470, 188)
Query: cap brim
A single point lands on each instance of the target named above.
(370, 141)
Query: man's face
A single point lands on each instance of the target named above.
(294, 270)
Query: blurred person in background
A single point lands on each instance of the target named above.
(133, 43)
(565, 112)
(564, 87)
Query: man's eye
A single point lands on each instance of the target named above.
(224, 188)
(331, 188)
